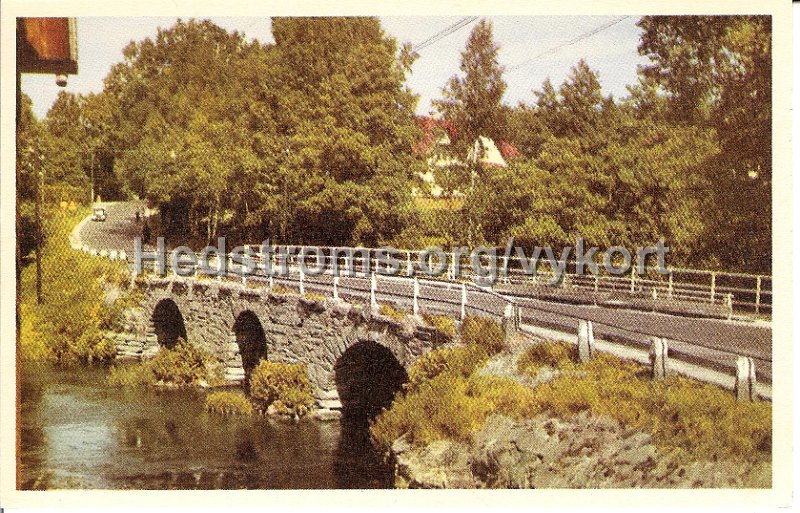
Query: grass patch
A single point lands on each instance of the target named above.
(284, 386)
(446, 399)
(547, 354)
(449, 406)
(280, 289)
(482, 332)
(183, 365)
(313, 297)
(228, 403)
(458, 361)
(445, 326)
(392, 313)
(694, 419)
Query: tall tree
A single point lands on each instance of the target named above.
(716, 72)
(473, 101)
(347, 164)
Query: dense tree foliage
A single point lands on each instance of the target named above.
(473, 101)
(310, 140)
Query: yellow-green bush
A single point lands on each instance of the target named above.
(285, 386)
(459, 361)
(392, 313)
(313, 297)
(185, 364)
(483, 332)
(445, 326)
(449, 407)
(547, 353)
(701, 421)
(228, 403)
(280, 289)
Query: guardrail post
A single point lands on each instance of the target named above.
(463, 301)
(633, 279)
(758, 293)
(415, 304)
(409, 269)
(585, 340)
(659, 357)
(373, 288)
(713, 285)
(745, 387)
(509, 321)
(729, 304)
(669, 289)
(335, 287)
(271, 282)
(302, 280)
(596, 283)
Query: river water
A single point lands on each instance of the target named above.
(76, 432)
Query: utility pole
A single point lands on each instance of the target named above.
(39, 199)
(91, 199)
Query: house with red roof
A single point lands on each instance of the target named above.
(437, 136)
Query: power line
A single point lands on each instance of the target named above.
(581, 37)
(450, 29)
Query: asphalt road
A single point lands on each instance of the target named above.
(713, 341)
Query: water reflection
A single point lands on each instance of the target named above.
(78, 433)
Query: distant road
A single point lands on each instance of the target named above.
(711, 340)
(117, 231)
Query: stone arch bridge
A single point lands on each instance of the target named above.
(349, 349)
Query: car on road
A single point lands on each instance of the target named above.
(99, 214)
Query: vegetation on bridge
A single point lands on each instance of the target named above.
(183, 365)
(282, 387)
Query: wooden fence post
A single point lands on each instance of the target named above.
(585, 340)
(659, 360)
(745, 387)
(509, 323)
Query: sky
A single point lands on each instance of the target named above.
(532, 48)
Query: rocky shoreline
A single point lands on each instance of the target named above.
(545, 452)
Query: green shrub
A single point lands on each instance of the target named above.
(392, 313)
(546, 354)
(284, 386)
(699, 420)
(445, 326)
(459, 361)
(228, 403)
(183, 365)
(449, 407)
(483, 332)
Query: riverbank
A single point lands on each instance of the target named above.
(532, 417)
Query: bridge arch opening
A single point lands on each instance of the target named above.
(168, 322)
(251, 340)
(367, 377)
